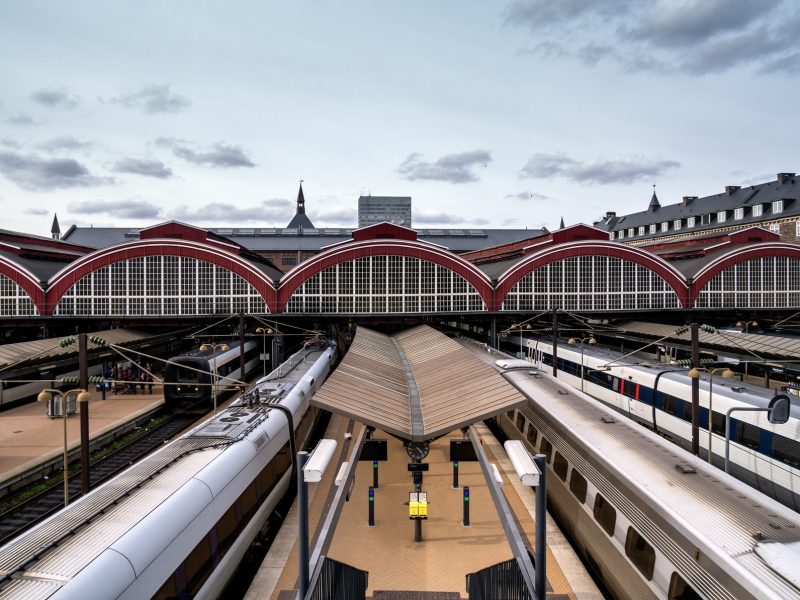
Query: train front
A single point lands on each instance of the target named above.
(187, 382)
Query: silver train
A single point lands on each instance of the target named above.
(651, 520)
(177, 523)
(764, 455)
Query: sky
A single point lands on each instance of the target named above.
(506, 114)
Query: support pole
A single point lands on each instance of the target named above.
(465, 518)
(375, 474)
(242, 362)
(302, 539)
(695, 391)
(540, 568)
(555, 342)
(83, 362)
(84, 411)
(455, 474)
(371, 522)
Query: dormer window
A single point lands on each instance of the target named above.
(690, 222)
(653, 227)
(705, 219)
(630, 232)
(664, 227)
(621, 234)
(721, 216)
(738, 214)
(641, 229)
(777, 206)
(758, 210)
(676, 224)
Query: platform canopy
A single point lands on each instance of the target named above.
(416, 385)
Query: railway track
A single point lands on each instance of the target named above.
(36, 508)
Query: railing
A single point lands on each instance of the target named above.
(501, 581)
(340, 581)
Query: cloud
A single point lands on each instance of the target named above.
(267, 211)
(32, 172)
(63, 143)
(349, 216)
(544, 166)
(694, 37)
(527, 196)
(455, 168)
(9, 143)
(121, 209)
(20, 119)
(222, 156)
(143, 166)
(154, 99)
(39, 212)
(445, 219)
(55, 98)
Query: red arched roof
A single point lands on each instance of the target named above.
(24, 279)
(663, 269)
(736, 256)
(67, 277)
(381, 247)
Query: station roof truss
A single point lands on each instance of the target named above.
(416, 385)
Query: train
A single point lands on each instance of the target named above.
(762, 454)
(177, 523)
(650, 520)
(189, 379)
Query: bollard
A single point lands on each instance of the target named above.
(375, 474)
(371, 506)
(465, 520)
(455, 474)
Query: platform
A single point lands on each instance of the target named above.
(448, 552)
(30, 440)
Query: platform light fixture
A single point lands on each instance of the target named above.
(695, 374)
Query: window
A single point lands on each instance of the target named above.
(690, 222)
(747, 434)
(664, 227)
(676, 224)
(641, 230)
(777, 206)
(653, 227)
(680, 590)
(797, 228)
(577, 485)
(560, 466)
(621, 234)
(705, 219)
(532, 434)
(775, 228)
(721, 216)
(605, 514)
(520, 422)
(786, 450)
(630, 232)
(758, 210)
(640, 552)
(546, 449)
(737, 214)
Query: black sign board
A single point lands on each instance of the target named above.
(418, 466)
(462, 450)
(374, 450)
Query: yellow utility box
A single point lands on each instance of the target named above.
(417, 505)
(413, 509)
(423, 510)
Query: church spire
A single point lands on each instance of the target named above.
(562, 223)
(654, 203)
(301, 201)
(55, 230)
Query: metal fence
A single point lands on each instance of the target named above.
(502, 581)
(340, 581)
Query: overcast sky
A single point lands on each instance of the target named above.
(488, 114)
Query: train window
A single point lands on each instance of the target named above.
(786, 450)
(680, 590)
(520, 422)
(168, 590)
(640, 552)
(718, 423)
(747, 434)
(249, 502)
(560, 466)
(227, 532)
(605, 514)
(546, 449)
(510, 415)
(670, 404)
(198, 566)
(687, 410)
(532, 434)
(577, 485)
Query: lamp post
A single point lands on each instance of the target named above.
(265, 331)
(695, 374)
(574, 341)
(777, 411)
(46, 395)
(214, 377)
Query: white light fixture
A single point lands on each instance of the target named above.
(523, 463)
(318, 461)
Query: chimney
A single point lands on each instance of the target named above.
(610, 214)
(785, 177)
(730, 189)
(687, 200)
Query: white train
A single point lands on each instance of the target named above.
(764, 455)
(650, 520)
(177, 523)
